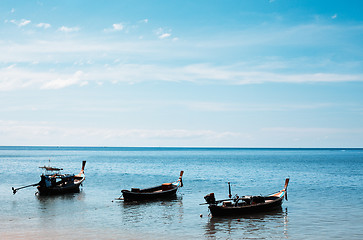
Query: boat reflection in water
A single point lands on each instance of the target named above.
(145, 212)
(54, 213)
(60, 203)
(271, 225)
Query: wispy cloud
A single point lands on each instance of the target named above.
(334, 16)
(15, 77)
(24, 22)
(162, 33)
(68, 29)
(206, 68)
(201, 106)
(117, 26)
(311, 136)
(12, 78)
(74, 79)
(21, 133)
(307, 131)
(43, 25)
(21, 23)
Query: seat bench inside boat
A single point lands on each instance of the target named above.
(250, 200)
(163, 187)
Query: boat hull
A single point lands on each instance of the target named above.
(52, 182)
(217, 210)
(142, 196)
(247, 204)
(58, 190)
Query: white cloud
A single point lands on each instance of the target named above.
(307, 131)
(24, 22)
(145, 20)
(311, 136)
(334, 16)
(62, 82)
(173, 133)
(61, 54)
(68, 29)
(52, 133)
(43, 25)
(240, 107)
(22, 133)
(164, 35)
(20, 23)
(11, 66)
(117, 26)
(13, 77)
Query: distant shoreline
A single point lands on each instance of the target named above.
(87, 148)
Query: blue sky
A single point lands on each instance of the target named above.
(258, 73)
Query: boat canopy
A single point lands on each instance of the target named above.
(51, 168)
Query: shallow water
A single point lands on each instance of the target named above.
(325, 193)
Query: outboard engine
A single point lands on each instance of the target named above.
(210, 199)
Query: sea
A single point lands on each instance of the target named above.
(324, 197)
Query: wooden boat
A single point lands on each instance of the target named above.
(246, 204)
(166, 190)
(52, 182)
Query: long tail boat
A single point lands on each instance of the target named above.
(166, 190)
(246, 204)
(53, 182)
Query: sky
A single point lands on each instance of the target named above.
(206, 73)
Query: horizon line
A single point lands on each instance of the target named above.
(181, 147)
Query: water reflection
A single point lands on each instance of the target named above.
(145, 212)
(51, 199)
(59, 205)
(262, 225)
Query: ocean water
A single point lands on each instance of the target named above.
(325, 194)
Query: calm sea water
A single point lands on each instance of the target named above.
(325, 194)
